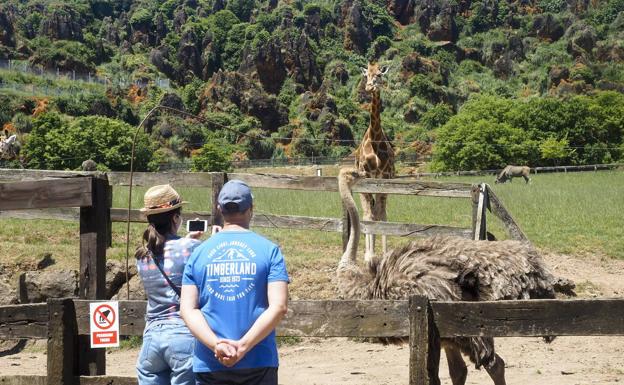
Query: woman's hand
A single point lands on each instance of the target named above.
(195, 234)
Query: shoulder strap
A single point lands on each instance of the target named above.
(171, 284)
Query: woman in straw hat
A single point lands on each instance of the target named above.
(166, 354)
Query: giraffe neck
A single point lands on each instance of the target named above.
(375, 131)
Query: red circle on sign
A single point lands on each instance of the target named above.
(98, 312)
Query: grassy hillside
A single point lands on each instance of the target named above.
(283, 79)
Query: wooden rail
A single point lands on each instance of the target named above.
(214, 181)
(263, 221)
(290, 182)
(424, 322)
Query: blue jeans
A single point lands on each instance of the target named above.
(166, 356)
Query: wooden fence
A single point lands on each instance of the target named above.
(65, 321)
(534, 170)
(214, 181)
(93, 196)
(87, 197)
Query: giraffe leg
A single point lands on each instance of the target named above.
(381, 215)
(456, 365)
(368, 204)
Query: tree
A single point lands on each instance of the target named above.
(555, 150)
(212, 157)
(57, 143)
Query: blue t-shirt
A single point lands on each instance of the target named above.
(163, 303)
(231, 271)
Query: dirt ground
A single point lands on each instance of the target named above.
(566, 361)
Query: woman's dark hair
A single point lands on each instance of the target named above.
(154, 236)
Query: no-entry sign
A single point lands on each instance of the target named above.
(104, 318)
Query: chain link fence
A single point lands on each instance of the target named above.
(23, 66)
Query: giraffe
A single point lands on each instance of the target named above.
(374, 156)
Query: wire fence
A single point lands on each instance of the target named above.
(322, 160)
(45, 90)
(406, 160)
(119, 80)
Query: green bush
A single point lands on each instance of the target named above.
(489, 132)
(583, 73)
(66, 55)
(212, 157)
(57, 143)
(22, 122)
(421, 85)
(555, 150)
(141, 17)
(241, 8)
(552, 6)
(436, 116)
(606, 13)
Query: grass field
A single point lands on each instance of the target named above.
(568, 213)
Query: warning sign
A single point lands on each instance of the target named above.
(104, 318)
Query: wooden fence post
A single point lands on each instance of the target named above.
(424, 343)
(480, 203)
(62, 343)
(474, 199)
(218, 180)
(94, 239)
(514, 231)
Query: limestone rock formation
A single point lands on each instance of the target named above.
(235, 88)
(278, 58)
(137, 292)
(556, 75)
(116, 276)
(546, 26)
(62, 23)
(38, 286)
(402, 10)
(8, 294)
(7, 30)
(358, 34)
(437, 19)
(582, 40)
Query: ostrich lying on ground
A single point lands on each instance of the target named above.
(445, 269)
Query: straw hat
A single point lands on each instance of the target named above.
(160, 199)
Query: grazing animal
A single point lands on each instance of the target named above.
(375, 156)
(513, 171)
(445, 269)
(89, 165)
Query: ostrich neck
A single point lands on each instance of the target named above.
(350, 253)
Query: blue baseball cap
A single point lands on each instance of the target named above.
(235, 191)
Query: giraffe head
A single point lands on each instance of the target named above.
(374, 76)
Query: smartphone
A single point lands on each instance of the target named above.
(197, 225)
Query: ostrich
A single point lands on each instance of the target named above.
(446, 269)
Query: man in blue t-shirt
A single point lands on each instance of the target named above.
(234, 294)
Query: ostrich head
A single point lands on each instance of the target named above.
(374, 76)
(349, 176)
